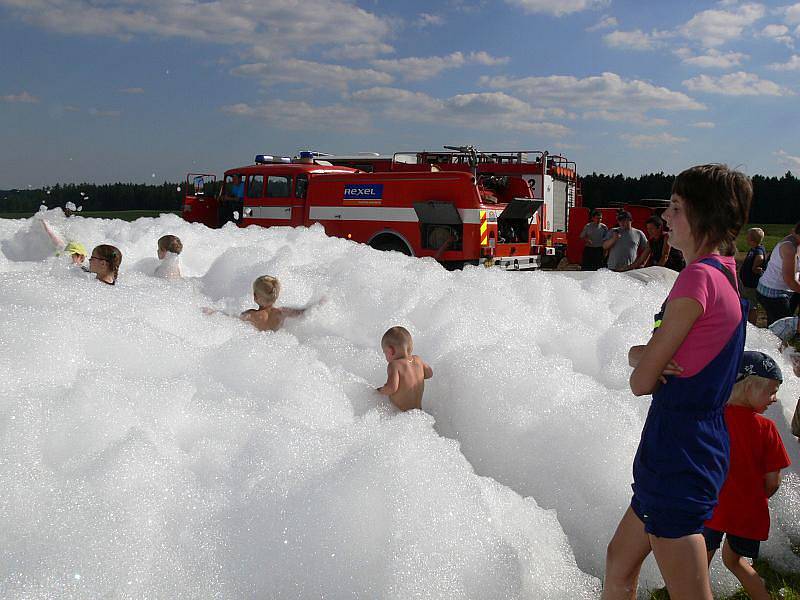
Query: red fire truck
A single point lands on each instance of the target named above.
(459, 206)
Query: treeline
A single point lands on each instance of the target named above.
(775, 199)
(106, 197)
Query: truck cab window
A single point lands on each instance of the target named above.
(300, 186)
(278, 186)
(255, 186)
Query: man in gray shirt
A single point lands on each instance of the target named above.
(594, 234)
(624, 243)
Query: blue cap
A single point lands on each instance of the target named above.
(758, 363)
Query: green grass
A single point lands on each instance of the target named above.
(774, 233)
(776, 581)
(125, 215)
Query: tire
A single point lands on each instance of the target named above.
(390, 243)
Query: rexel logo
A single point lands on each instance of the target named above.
(363, 191)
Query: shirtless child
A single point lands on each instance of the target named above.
(407, 372)
(268, 317)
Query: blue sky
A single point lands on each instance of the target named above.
(147, 90)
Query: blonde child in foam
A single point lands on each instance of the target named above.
(406, 372)
(268, 317)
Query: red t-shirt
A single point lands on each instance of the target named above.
(756, 449)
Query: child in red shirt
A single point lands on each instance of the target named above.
(757, 457)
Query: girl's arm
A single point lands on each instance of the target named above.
(679, 317)
(635, 355)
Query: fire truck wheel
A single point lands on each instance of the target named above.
(390, 243)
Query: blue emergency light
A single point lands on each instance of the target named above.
(263, 159)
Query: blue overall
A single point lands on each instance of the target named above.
(683, 455)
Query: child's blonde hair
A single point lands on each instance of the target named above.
(398, 338)
(266, 290)
(744, 387)
(756, 234)
(170, 243)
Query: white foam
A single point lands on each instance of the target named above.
(149, 450)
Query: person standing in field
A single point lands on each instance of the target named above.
(752, 269)
(593, 234)
(778, 290)
(688, 366)
(624, 243)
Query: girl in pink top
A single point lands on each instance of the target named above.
(688, 366)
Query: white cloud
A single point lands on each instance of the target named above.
(736, 84)
(311, 73)
(704, 125)
(22, 97)
(303, 116)
(608, 91)
(493, 110)
(779, 33)
(359, 51)
(715, 27)
(429, 20)
(604, 23)
(132, 90)
(646, 141)
(557, 9)
(712, 59)
(635, 40)
(626, 117)
(417, 69)
(793, 64)
(787, 160)
(277, 25)
(792, 14)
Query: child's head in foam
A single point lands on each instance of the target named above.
(266, 290)
(105, 262)
(169, 243)
(397, 343)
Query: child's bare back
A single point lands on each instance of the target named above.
(410, 376)
(406, 373)
(268, 317)
(271, 318)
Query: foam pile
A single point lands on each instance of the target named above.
(149, 450)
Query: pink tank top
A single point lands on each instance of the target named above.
(721, 312)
